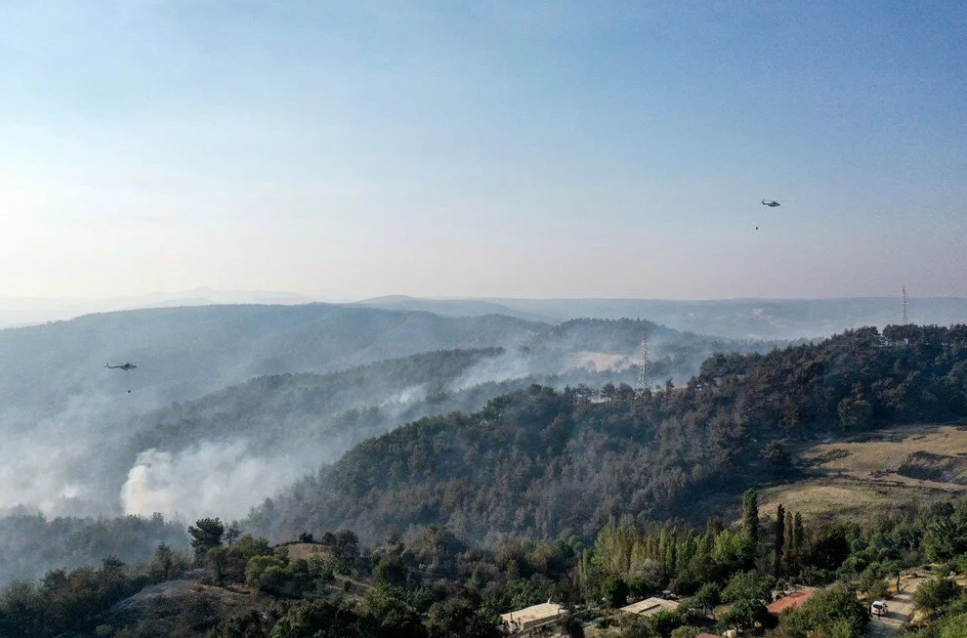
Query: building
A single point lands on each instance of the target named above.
(650, 606)
(532, 617)
(792, 600)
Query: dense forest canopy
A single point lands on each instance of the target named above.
(539, 462)
(31, 544)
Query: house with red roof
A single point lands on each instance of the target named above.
(792, 600)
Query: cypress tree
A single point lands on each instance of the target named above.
(799, 539)
(750, 518)
(779, 540)
(790, 562)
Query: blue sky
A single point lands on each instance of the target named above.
(505, 148)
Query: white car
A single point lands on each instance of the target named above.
(878, 608)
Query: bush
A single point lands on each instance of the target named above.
(747, 586)
(745, 614)
(665, 622)
(934, 594)
(834, 612)
(615, 591)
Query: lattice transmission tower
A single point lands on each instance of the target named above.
(642, 371)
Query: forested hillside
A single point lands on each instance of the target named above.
(568, 491)
(275, 410)
(432, 584)
(31, 544)
(186, 352)
(332, 384)
(541, 461)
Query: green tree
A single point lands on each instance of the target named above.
(20, 613)
(747, 586)
(745, 614)
(318, 619)
(162, 563)
(945, 537)
(573, 628)
(707, 598)
(955, 627)
(457, 618)
(615, 591)
(205, 534)
(779, 540)
(831, 612)
(750, 516)
(935, 594)
(392, 616)
(233, 533)
(665, 622)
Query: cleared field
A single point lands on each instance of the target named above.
(855, 477)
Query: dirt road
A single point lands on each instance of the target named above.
(901, 612)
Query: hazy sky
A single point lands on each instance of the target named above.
(494, 148)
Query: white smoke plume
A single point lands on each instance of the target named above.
(209, 479)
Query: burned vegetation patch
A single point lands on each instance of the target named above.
(940, 468)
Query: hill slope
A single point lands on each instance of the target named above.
(539, 462)
(59, 406)
(186, 352)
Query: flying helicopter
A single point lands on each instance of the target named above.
(771, 203)
(123, 366)
(126, 367)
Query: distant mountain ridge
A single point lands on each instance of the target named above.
(732, 318)
(26, 311)
(189, 351)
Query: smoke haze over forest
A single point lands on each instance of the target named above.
(387, 319)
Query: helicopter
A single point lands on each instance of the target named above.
(127, 367)
(123, 366)
(771, 203)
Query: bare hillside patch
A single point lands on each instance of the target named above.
(902, 466)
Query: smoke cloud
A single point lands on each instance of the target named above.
(209, 479)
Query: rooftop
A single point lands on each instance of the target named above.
(537, 612)
(791, 601)
(650, 606)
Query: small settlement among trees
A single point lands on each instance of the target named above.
(433, 585)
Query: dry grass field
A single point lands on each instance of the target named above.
(901, 467)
